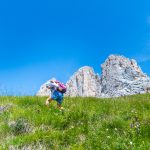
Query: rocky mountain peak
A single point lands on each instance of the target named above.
(122, 63)
(122, 76)
(84, 82)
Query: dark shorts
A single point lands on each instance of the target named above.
(58, 96)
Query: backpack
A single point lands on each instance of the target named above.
(62, 86)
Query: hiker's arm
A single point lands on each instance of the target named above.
(55, 85)
(51, 85)
(48, 85)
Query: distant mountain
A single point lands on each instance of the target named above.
(84, 83)
(120, 76)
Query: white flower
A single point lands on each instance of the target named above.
(71, 127)
(131, 143)
(108, 137)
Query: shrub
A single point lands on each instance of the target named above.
(20, 126)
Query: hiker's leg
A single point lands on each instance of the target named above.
(59, 106)
(48, 101)
(59, 103)
(59, 99)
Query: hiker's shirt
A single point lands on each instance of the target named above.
(53, 86)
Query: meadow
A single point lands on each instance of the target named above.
(85, 123)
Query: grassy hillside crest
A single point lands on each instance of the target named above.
(86, 123)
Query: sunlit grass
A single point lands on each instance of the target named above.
(86, 123)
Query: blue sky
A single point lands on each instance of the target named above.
(44, 39)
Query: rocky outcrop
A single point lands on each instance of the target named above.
(43, 91)
(121, 76)
(84, 83)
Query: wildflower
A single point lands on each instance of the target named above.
(132, 111)
(131, 143)
(131, 125)
(108, 137)
(137, 125)
(71, 127)
(115, 129)
(82, 138)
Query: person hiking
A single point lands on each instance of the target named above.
(57, 90)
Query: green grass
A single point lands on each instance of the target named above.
(85, 124)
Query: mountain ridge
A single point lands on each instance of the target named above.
(120, 76)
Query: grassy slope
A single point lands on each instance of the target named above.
(86, 123)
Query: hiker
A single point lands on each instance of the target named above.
(57, 91)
